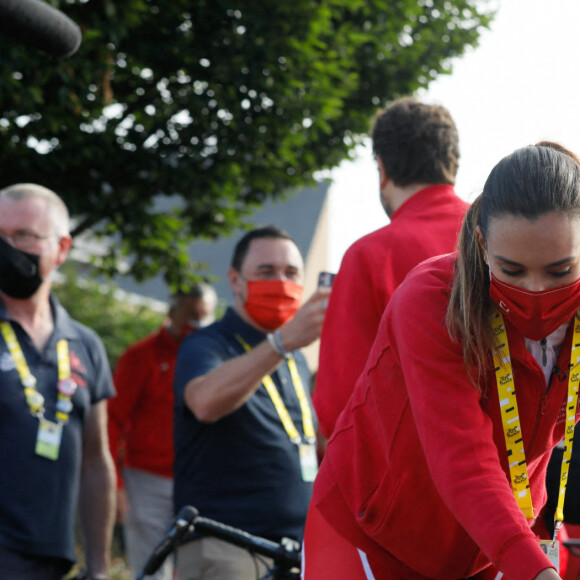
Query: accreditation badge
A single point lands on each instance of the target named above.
(552, 550)
(48, 439)
(308, 462)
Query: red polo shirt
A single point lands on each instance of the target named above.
(141, 415)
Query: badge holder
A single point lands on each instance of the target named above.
(48, 439)
(552, 550)
(308, 462)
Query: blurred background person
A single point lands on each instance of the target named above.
(141, 426)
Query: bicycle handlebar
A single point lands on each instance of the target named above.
(286, 553)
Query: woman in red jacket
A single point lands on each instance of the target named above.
(436, 468)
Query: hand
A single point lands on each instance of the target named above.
(122, 505)
(306, 325)
(548, 574)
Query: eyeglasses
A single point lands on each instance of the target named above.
(25, 240)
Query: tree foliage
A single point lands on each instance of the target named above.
(117, 322)
(174, 119)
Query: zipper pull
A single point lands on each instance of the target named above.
(543, 342)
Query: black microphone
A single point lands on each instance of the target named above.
(36, 24)
(174, 536)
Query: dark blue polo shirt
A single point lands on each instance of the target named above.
(242, 470)
(38, 496)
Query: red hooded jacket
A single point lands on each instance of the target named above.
(417, 465)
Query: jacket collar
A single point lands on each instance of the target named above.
(425, 199)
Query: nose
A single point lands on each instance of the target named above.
(280, 274)
(536, 283)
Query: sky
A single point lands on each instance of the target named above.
(520, 85)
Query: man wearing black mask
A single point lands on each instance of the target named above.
(54, 382)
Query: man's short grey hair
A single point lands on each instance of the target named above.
(59, 212)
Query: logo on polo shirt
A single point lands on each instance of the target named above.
(77, 369)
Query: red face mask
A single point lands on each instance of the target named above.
(270, 303)
(536, 314)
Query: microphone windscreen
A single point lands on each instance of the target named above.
(36, 24)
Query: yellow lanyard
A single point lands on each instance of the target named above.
(34, 399)
(511, 420)
(290, 428)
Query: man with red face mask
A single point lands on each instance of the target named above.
(141, 426)
(245, 429)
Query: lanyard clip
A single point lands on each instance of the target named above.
(557, 526)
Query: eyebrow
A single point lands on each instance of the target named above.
(272, 266)
(557, 263)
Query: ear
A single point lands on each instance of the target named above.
(64, 245)
(235, 279)
(383, 177)
(481, 243)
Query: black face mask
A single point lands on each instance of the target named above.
(19, 276)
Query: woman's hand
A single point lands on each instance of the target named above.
(548, 574)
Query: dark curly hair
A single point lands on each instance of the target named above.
(417, 143)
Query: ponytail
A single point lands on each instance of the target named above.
(469, 304)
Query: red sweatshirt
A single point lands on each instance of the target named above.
(426, 225)
(417, 465)
(141, 415)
